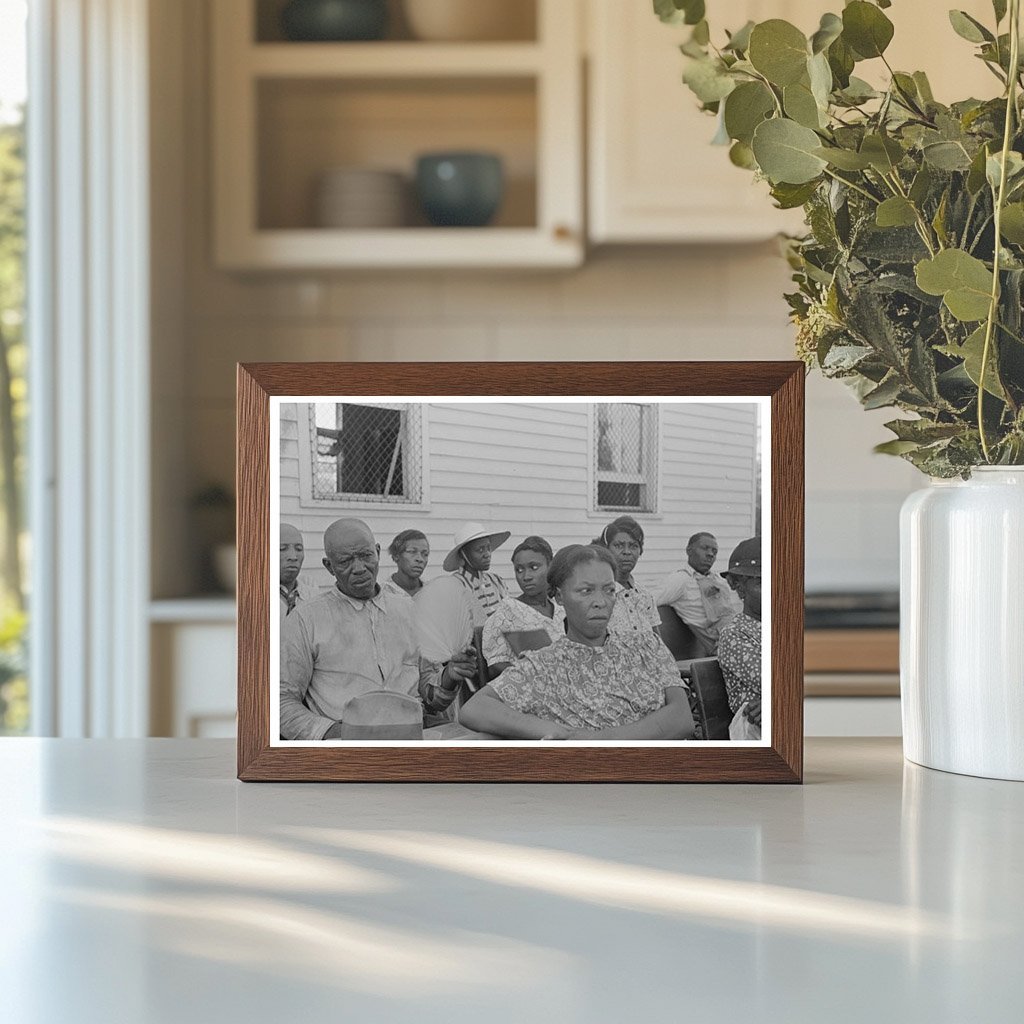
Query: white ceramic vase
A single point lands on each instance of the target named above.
(962, 624)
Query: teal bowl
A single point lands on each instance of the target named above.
(460, 190)
(334, 21)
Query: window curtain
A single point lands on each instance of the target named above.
(88, 321)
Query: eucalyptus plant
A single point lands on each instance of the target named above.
(910, 278)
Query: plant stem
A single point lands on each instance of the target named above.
(993, 308)
(922, 225)
(855, 187)
(768, 85)
(1012, 334)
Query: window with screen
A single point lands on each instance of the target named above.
(626, 457)
(369, 453)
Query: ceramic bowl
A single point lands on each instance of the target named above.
(358, 197)
(460, 189)
(334, 20)
(470, 20)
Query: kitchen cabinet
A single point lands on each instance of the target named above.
(653, 175)
(193, 667)
(286, 113)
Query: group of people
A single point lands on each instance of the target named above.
(576, 654)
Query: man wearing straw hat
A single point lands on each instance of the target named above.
(470, 561)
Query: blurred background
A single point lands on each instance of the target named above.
(248, 180)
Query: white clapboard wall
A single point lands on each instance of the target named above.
(527, 467)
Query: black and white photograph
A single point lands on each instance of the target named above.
(520, 571)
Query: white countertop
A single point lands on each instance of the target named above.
(142, 883)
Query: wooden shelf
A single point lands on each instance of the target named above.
(401, 247)
(212, 608)
(852, 650)
(393, 60)
(285, 113)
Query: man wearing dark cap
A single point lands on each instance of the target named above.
(739, 646)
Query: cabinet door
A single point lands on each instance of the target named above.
(654, 175)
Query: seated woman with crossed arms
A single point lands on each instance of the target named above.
(587, 685)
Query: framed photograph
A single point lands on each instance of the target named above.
(513, 572)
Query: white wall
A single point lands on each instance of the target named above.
(523, 467)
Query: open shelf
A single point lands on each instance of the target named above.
(393, 60)
(306, 128)
(287, 113)
(519, 19)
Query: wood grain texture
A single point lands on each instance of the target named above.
(782, 762)
(852, 650)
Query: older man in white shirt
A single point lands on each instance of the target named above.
(701, 597)
(352, 640)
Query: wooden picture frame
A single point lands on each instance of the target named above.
(779, 386)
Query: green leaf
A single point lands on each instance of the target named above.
(939, 220)
(866, 29)
(883, 153)
(800, 105)
(785, 152)
(895, 447)
(668, 12)
(885, 394)
(742, 155)
(968, 28)
(829, 30)
(924, 88)
(745, 108)
(857, 91)
(896, 212)
(694, 11)
(820, 76)
(1012, 223)
(701, 33)
(844, 159)
(789, 197)
(721, 136)
(923, 431)
(994, 167)
(739, 41)
(707, 80)
(976, 174)
(921, 185)
(999, 7)
(841, 60)
(778, 50)
(946, 156)
(971, 352)
(676, 12)
(963, 281)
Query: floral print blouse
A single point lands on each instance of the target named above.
(583, 687)
(739, 655)
(513, 616)
(635, 614)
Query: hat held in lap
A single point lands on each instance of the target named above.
(382, 715)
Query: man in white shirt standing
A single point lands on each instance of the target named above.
(353, 640)
(701, 597)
